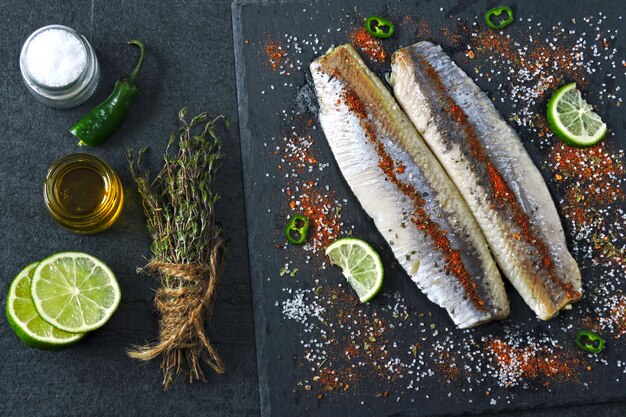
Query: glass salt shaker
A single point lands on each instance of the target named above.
(59, 66)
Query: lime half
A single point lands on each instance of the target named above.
(74, 292)
(361, 266)
(25, 321)
(573, 120)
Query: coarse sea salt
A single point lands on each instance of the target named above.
(56, 57)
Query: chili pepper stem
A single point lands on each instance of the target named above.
(133, 74)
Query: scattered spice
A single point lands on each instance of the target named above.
(368, 45)
(319, 207)
(275, 54)
(592, 179)
(423, 30)
(516, 363)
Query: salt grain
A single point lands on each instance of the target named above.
(56, 57)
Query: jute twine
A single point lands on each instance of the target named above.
(184, 301)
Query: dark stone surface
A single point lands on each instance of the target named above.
(190, 63)
(290, 352)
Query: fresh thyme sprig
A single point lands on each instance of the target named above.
(187, 246)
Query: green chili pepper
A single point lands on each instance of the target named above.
(589, 341)
(497, 11)
(297, 229)
(100, 123)
(379, 27)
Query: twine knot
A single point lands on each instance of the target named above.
(184, 301)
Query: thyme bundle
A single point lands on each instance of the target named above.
(188, 249)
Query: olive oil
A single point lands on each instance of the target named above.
(81, 190)
(83, 193)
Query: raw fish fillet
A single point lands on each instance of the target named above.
(400, 184)
(485, 158)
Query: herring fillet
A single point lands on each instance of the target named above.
(400, 184)
(486, 160)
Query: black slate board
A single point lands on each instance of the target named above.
(284, 375)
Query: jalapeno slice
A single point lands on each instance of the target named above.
(379, 27)
(497, 11)
(297, 229)
(589, 341)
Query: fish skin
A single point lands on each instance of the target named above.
(382, 158)
(486, 160)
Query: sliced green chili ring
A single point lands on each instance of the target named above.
(497, 11)
(379, 27)
(589, 341)
(297, 229)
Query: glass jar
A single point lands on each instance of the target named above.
(83, 193)
(74, 91)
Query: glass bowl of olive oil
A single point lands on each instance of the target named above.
(83, 193)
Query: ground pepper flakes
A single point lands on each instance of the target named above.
(296, 152)
(447, 365)
(274, 53)
(618, 316)
(593, 179)
(551, 65)
(595, 171)
(532, 363)
(423, 30)
(322, 211)
(368, 45)
(452, 38)
(363, 350)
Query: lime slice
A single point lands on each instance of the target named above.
(74, 292)
(25, 321)
(573, 120)
(361, 266)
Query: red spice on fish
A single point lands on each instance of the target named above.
(501, 191)
(454, 262)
